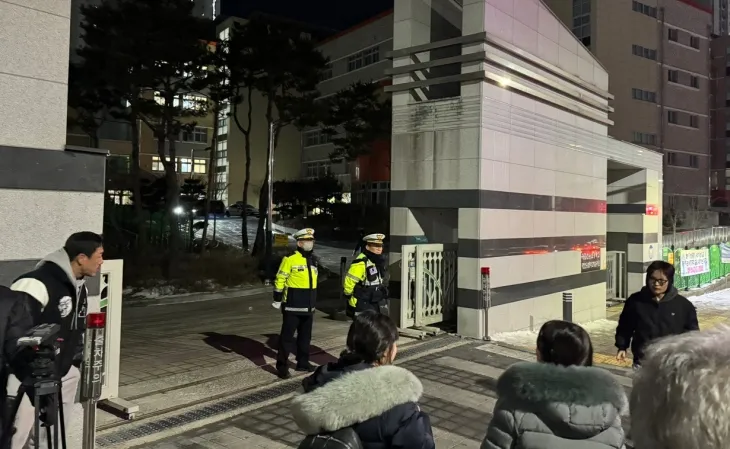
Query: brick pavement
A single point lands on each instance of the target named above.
(176, 355)
(459, 396)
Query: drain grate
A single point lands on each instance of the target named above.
(132, 432)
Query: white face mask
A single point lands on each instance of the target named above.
(307, 246)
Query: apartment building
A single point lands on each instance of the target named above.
(657, 55)
(356, 54)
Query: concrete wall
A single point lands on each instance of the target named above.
(46, 191)
(524, 166)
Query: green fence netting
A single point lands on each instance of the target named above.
(717, 268)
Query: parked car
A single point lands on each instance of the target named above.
(217, 208)
(236, 210)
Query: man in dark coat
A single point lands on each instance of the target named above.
(655, 311)
(15, 322)
(56, 294)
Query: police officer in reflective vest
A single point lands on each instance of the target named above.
(295, 293)
(364, 284)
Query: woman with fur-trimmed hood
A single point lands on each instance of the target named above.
(561, 402)
(364, 391)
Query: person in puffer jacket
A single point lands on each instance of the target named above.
(560, 402)
(364, 391)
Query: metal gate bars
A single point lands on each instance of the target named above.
(428, 288)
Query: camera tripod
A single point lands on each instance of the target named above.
(47, 407)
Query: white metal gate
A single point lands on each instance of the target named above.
(428, 286)
(616, 269)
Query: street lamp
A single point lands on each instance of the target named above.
(270, 206)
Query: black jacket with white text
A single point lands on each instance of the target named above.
(57, 298)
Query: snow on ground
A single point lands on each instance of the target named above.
(715, 300)
(228, 231)
(527, 339)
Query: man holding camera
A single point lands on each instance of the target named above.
(56, 294)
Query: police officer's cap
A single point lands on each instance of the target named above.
(374, 239)
(304, 234)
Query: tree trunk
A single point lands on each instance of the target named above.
(139, 221)
(246, 180)
(262, 242)
(210, 191)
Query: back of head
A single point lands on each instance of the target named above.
(370, 337)
(680, 395)
(564, 343)
(85, 243)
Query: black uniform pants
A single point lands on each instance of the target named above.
(302, 325)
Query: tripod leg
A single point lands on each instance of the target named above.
(37, 420)
(62, 419)
(9, 426)
(48, 437)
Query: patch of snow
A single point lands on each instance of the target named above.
(527, 338)
(715, 300)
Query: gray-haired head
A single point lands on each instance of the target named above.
(680, 396)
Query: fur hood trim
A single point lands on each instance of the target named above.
(354, 398)
(548, 383)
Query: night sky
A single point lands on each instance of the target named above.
(337, 15)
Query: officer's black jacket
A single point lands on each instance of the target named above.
(644, 319)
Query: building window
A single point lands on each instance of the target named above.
(223, 120)
(694, 82)
(315, 137)
(671, 158)
(694, 161)
(197, 135)
(644, 138)
(673, 76)
(194, 102)
(200, 166)
(694, 121)
(185, 164)
(121, 197)
(363, 58)
(647, 53)
(327, 72)
(644, 9)
(643, 95)
(317, 169)
(157, 164)
(221, 169)
(118, 164)
(582, 21)
(673, 34)
(694, 42)
(672, 117)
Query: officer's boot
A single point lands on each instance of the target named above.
(307, 368)
(283, 372)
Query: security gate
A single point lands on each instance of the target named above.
(428, 287)
(616, 270)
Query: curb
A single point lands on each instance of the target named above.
(186, 298)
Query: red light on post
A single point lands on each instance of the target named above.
(652, 209)
(96, 320)
(485, 271)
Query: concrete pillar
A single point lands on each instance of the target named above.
(46, 192)
(631, 194)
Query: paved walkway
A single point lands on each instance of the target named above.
(603, 332)
(176, 355)
(458, 379)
